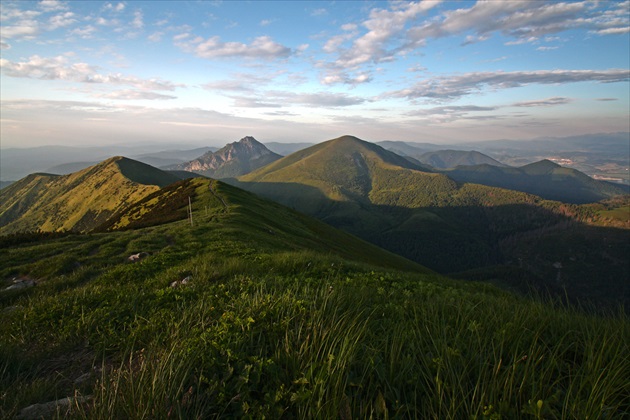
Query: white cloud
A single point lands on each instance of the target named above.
(138, 21)
(249, 102)
(319, 12)
(25, 29)
(320, 99)
(316, 99)
(333, 43)
(52, 5)
(382, 26)
(116, 8)
(262, 47)
(4, 46)
(613, 31)
(58, 68)
(131, 94)
(334, 77)
(452, 87)
(84, 32)
(525, 21)
(557, 100)
(446, 114)
(62, 20)
(230, 85)
(155, 36)
(107, 22)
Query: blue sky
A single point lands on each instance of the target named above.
(210, 72)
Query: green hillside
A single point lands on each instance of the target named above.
(78, 201)
(545, 179)
(256, 311)
(449, 226)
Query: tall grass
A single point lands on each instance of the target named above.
(299, 334)
(367, 346)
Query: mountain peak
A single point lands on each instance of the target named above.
(541, 167)
(347, 139)
(248, 139)
(233, 159)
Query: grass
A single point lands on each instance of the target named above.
(301, 323)
(324, 343)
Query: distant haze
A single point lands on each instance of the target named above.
(206, 73)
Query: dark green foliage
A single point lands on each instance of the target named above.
(443, 159)
(545, 179)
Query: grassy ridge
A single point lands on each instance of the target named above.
(79, 201)
(283, 317)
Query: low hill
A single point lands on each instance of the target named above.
(410, 149)
(447, 225)
(78, 201)
(234, 159)
(443, 159)
(545, 179)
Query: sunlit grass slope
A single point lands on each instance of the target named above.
(79, 201)
(284, 317)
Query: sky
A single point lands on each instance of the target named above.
(93, 73)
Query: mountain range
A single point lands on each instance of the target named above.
(437, 218)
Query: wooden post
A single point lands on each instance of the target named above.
(190, 210)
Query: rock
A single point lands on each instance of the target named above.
(137, 257)
(48, 409)
(21, 283)
(182, 282)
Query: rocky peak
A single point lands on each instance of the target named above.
(245, 153)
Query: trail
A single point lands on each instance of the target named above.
(218, 197)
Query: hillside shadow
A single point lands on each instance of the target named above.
(521, 247)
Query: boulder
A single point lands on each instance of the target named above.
(49, 409)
